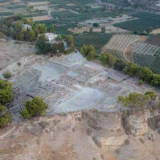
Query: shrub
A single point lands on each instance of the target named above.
(5, 116)
(5, 92)
(34, 107)
(7, 75)
(108, 59)
(140, 82)
(95, 24)
(88, 51)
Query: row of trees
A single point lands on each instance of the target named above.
(132, 69)
(134, 100)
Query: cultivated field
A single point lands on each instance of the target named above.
(119, 43)
(145, 49)
(98, 40)
(142, 23)
(147, 55)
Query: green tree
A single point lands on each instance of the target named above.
(34, 107)
(153, 95)
(6, 93)
(7, 75)
(69, 40)
(156, 80)
(1, 35)
(131, 69)
(140, 82)
(91, 55)
(30, 21)
(21, 36)
(51, 28)
(145, 74)
(18, 26)
(5, 116)
(95, 25)
(43, 47)
(42, 37)
(39, 29)
(108, 59)
(32, 36)
(103, 29)
(120, 64)
(149, 29)
(88, 51)
(134, 100)
(59, 38)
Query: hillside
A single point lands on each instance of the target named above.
(87, 135)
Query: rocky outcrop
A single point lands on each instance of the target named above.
(112, 140)
(136, 123)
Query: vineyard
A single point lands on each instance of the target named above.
(98, 40)
(119, 43)
(144, 21)
(147, 55)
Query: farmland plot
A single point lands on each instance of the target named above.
(119, 43)
(147, 55)
(41, 18)
(144, 21)
(98, 40)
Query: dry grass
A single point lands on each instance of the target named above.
(70, 4)
(156, 31)
(41, 18)
(37, 3)
(62, 9)
(40, 8)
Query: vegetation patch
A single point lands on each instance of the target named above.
(98, 40)
(34, 107)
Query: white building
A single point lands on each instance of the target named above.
(27, 27)
(50, 36)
